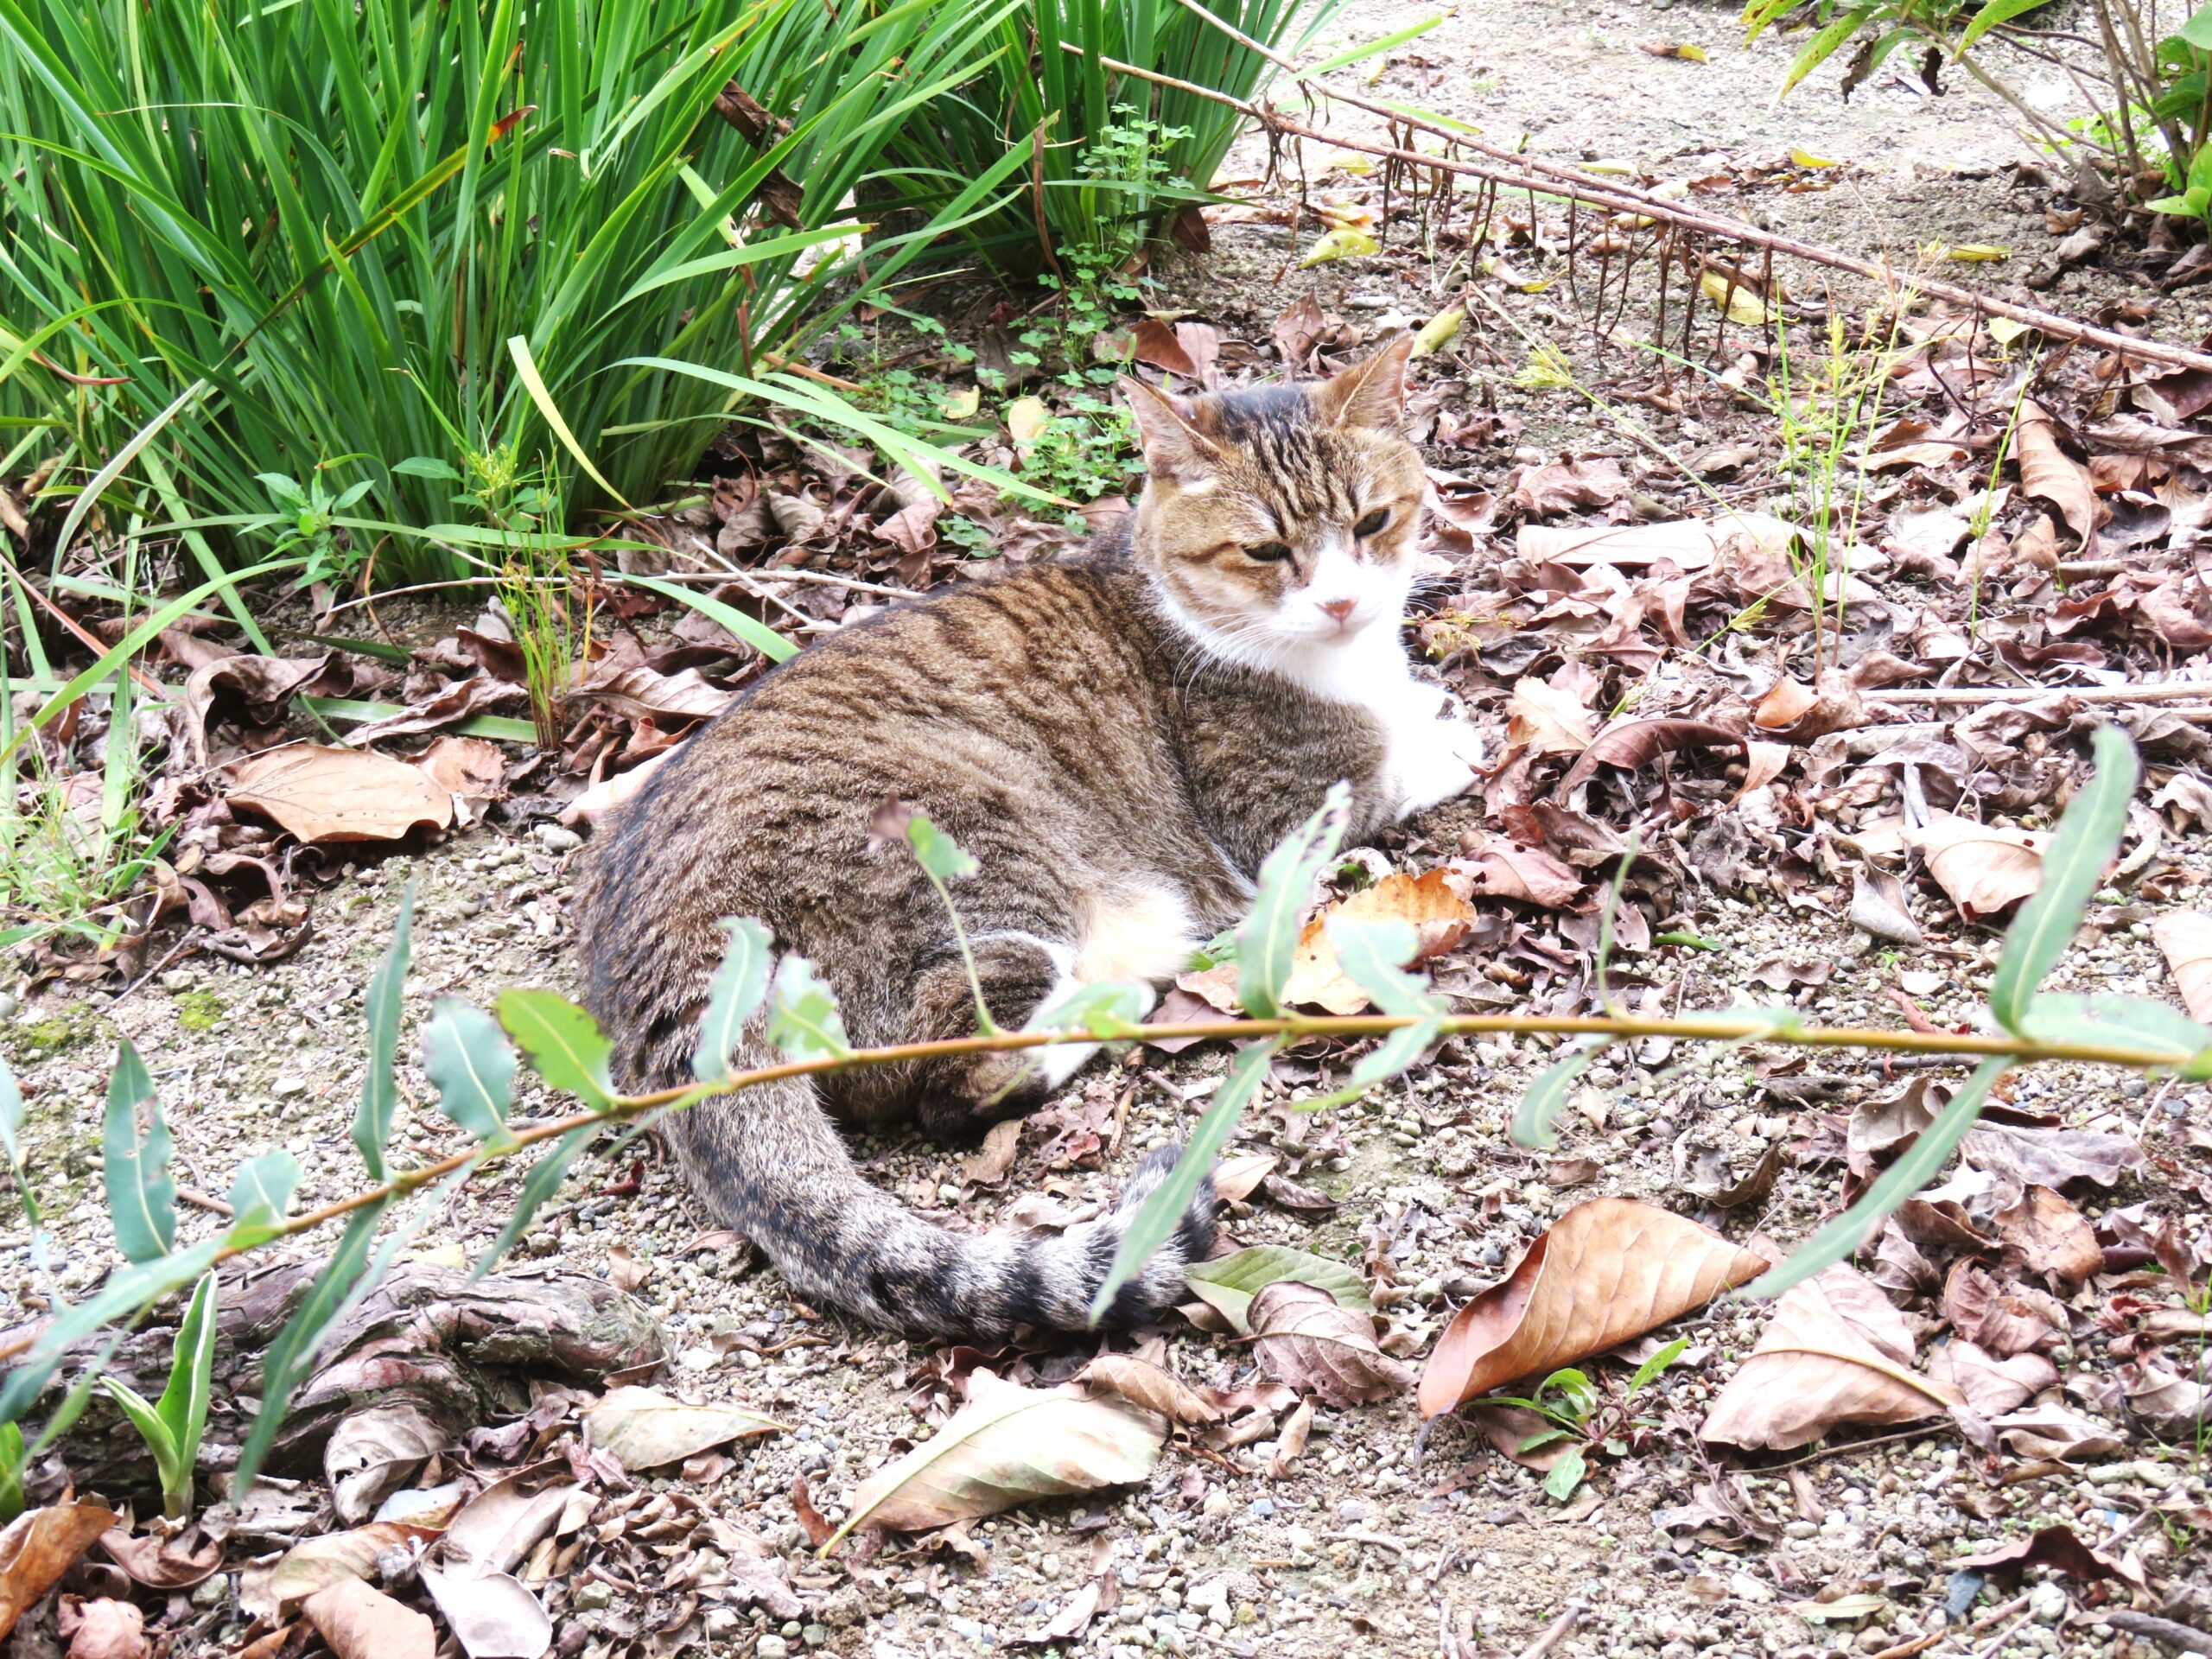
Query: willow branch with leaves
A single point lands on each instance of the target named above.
(471, 1057)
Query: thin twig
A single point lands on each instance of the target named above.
(1558, 1630)
(1968, 695)
(1536, 175)
(2183, 1638)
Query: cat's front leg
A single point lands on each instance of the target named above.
(1435, 750)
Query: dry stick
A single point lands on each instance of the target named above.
(2183, 1639)
(1974, 696)
(1716, 1028)
(1556, 1632)
(1552, 178)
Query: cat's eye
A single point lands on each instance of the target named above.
(1268, 552)
(1373, 524)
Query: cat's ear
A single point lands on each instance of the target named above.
(1167, 430)
(1372, 393)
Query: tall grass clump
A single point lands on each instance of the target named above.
(368, 253)
(1117, 151)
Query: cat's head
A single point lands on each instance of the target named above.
(1281, 520)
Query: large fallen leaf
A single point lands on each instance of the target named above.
(2058, 1433)
(1835, 1352)
(1316, 1345)
(1153, 1386)
(1010, 1445)
(491, 1615)
(2001, 1316)
(1983, 867)
(323, 794)
(1545, 720)
(1557, 485)
(1989, 1385)
(2185, 937)
(108, 1629)
(175, 1563)
(1502, 870)
(2049, 474)
(471, 767)
(1801, 713)
(39, 1546)
(1690, 544)
(2054, 1546)
(643, 1429)
(2050, 1157)
(503, 1523)
(315, 1564)
(2044, 1233)
(361, 1623)
(1632, 744)
(1438, 915)
(1604, 1272)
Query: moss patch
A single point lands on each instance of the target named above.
(197, 1010)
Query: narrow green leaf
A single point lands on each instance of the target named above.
(148, 1421)
(1353, 54)
(1164, 1207)
(1268, 932)
(803, 1017)
(739, 986)
(291, 1352)
(128, 1294)
(380, 1084)
(755, 633)
(12, 1460)
(259, 1195)
(938, 853)
(1546, 1096)
(141, 1196)
(2084, 847)
(1229, 1283)
(1110, 1009)
(1567, 1474)
(537, 1187)
(2123, 1022)
(1374, 955)
(1891, 1188)
(534, 384)
(1993, 12)
(1658, 1363)
(471, 1066)
(183, 1406)
(563, 1042)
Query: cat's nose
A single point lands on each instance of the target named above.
(1338, 610)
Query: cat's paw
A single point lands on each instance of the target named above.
(1161, 1282)
(1440, 764)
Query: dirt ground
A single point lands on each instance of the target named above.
(1379, 1539)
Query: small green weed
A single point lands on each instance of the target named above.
(198, 1011)
(1595, 1425)
(171, 1428)
(1088, 451)
(307, 526)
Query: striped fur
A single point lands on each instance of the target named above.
(1118, 740)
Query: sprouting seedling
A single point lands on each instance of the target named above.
(1578, 1411)
(172, 1428)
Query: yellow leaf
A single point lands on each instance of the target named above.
(1743, 306)
(1351, 162)
(959, 405)
(1025, 418)
(1805, 158)
(1971, 253)
(1611, 169)
(1694, 53)
(2005, 331)
(1343, 244)
(1440, 330)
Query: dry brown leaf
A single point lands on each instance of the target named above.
(1216, 985)
(1010, 1445)
(361, 1623)
(501, 1523)
(1545, 720)
(2054, 1546)
(1592, 481)
(1502, 870)
(315, 1564)
(39, 1546)
(1428, 903)
(1801, 714)
(2042, 1233)
(1983, 867)
(1290, 1443)
(1989, 1385)
(2006, 1318)
(2049, 474)
(2058, 1433)
(107, 1629)
(991, 1162)
(323, 794)
(1635, 743)
(1604, 1272)
(644, 1428)
(1834, 1353)
(1155, 342)
(1153, 1386)
(491, 1614)
(1235, 1178)
(1305, 1336)
(1689, 544)
(175, 1563)
(1762, 763)
(2185, 937)
(465, 765)
(608, 794)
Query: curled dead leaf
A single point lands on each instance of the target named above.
(1983, 867)
(1438, 916)
(39, 1546)
(1153, 1386)
(1606, 1271)
(1316, 1345)
(2185, 937)
(362, 1623)
(1637, 743)
(1835, 1352)
(2049, 474)
(1545, 718)
(107, 1629)
(644, 1428)
(323, 794)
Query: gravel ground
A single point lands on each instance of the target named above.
(1374, 1541)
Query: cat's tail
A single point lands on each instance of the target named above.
(773, 1165)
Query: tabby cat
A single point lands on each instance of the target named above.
(1118, 740)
